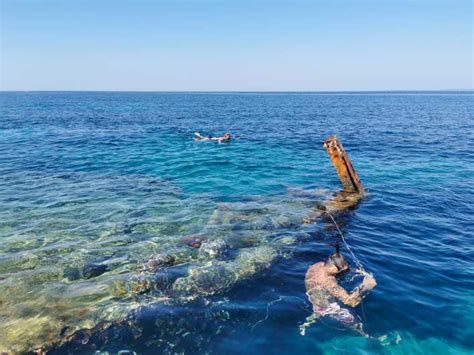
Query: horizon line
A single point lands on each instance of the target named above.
(248, 91)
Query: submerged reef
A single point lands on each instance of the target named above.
(217, 276)
(78, 286)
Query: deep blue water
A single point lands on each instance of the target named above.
(114, 178)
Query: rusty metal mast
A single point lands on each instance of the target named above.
(347, 174)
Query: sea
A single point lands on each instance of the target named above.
(94, 185)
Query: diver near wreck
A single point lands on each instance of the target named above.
(200, 138)
(322, 287)
(204, 273)
(325, 293)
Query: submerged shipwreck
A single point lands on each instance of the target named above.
(197, 268)
(219, 275)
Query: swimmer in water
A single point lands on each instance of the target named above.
(200, 138)
(324, 292)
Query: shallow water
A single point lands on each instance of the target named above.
(115, 178)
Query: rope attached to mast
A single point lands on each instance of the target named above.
(356, 260)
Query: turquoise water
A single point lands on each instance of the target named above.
(116, 178)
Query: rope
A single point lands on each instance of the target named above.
(281, 298)
(356, 260)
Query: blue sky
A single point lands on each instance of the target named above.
(231, 45)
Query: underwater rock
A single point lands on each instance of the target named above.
(205, 280)
(159, 260)
(147, 282)
(253, 260)
(139, 284)
(26, 261)
(73, 273)
(144, 283)
(213, 249)
(219, 276)
(93, 270)
(24, 334)
(286, 240)
(193, 241)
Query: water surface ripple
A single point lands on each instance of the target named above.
(92, 185)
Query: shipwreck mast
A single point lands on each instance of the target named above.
(341, 161)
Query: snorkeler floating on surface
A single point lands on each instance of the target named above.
(323, 292)
(200, 138)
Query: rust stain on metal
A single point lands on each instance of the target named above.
(342, 201)
(352, 192)
(349, 178)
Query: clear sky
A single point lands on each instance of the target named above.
(236, 45)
